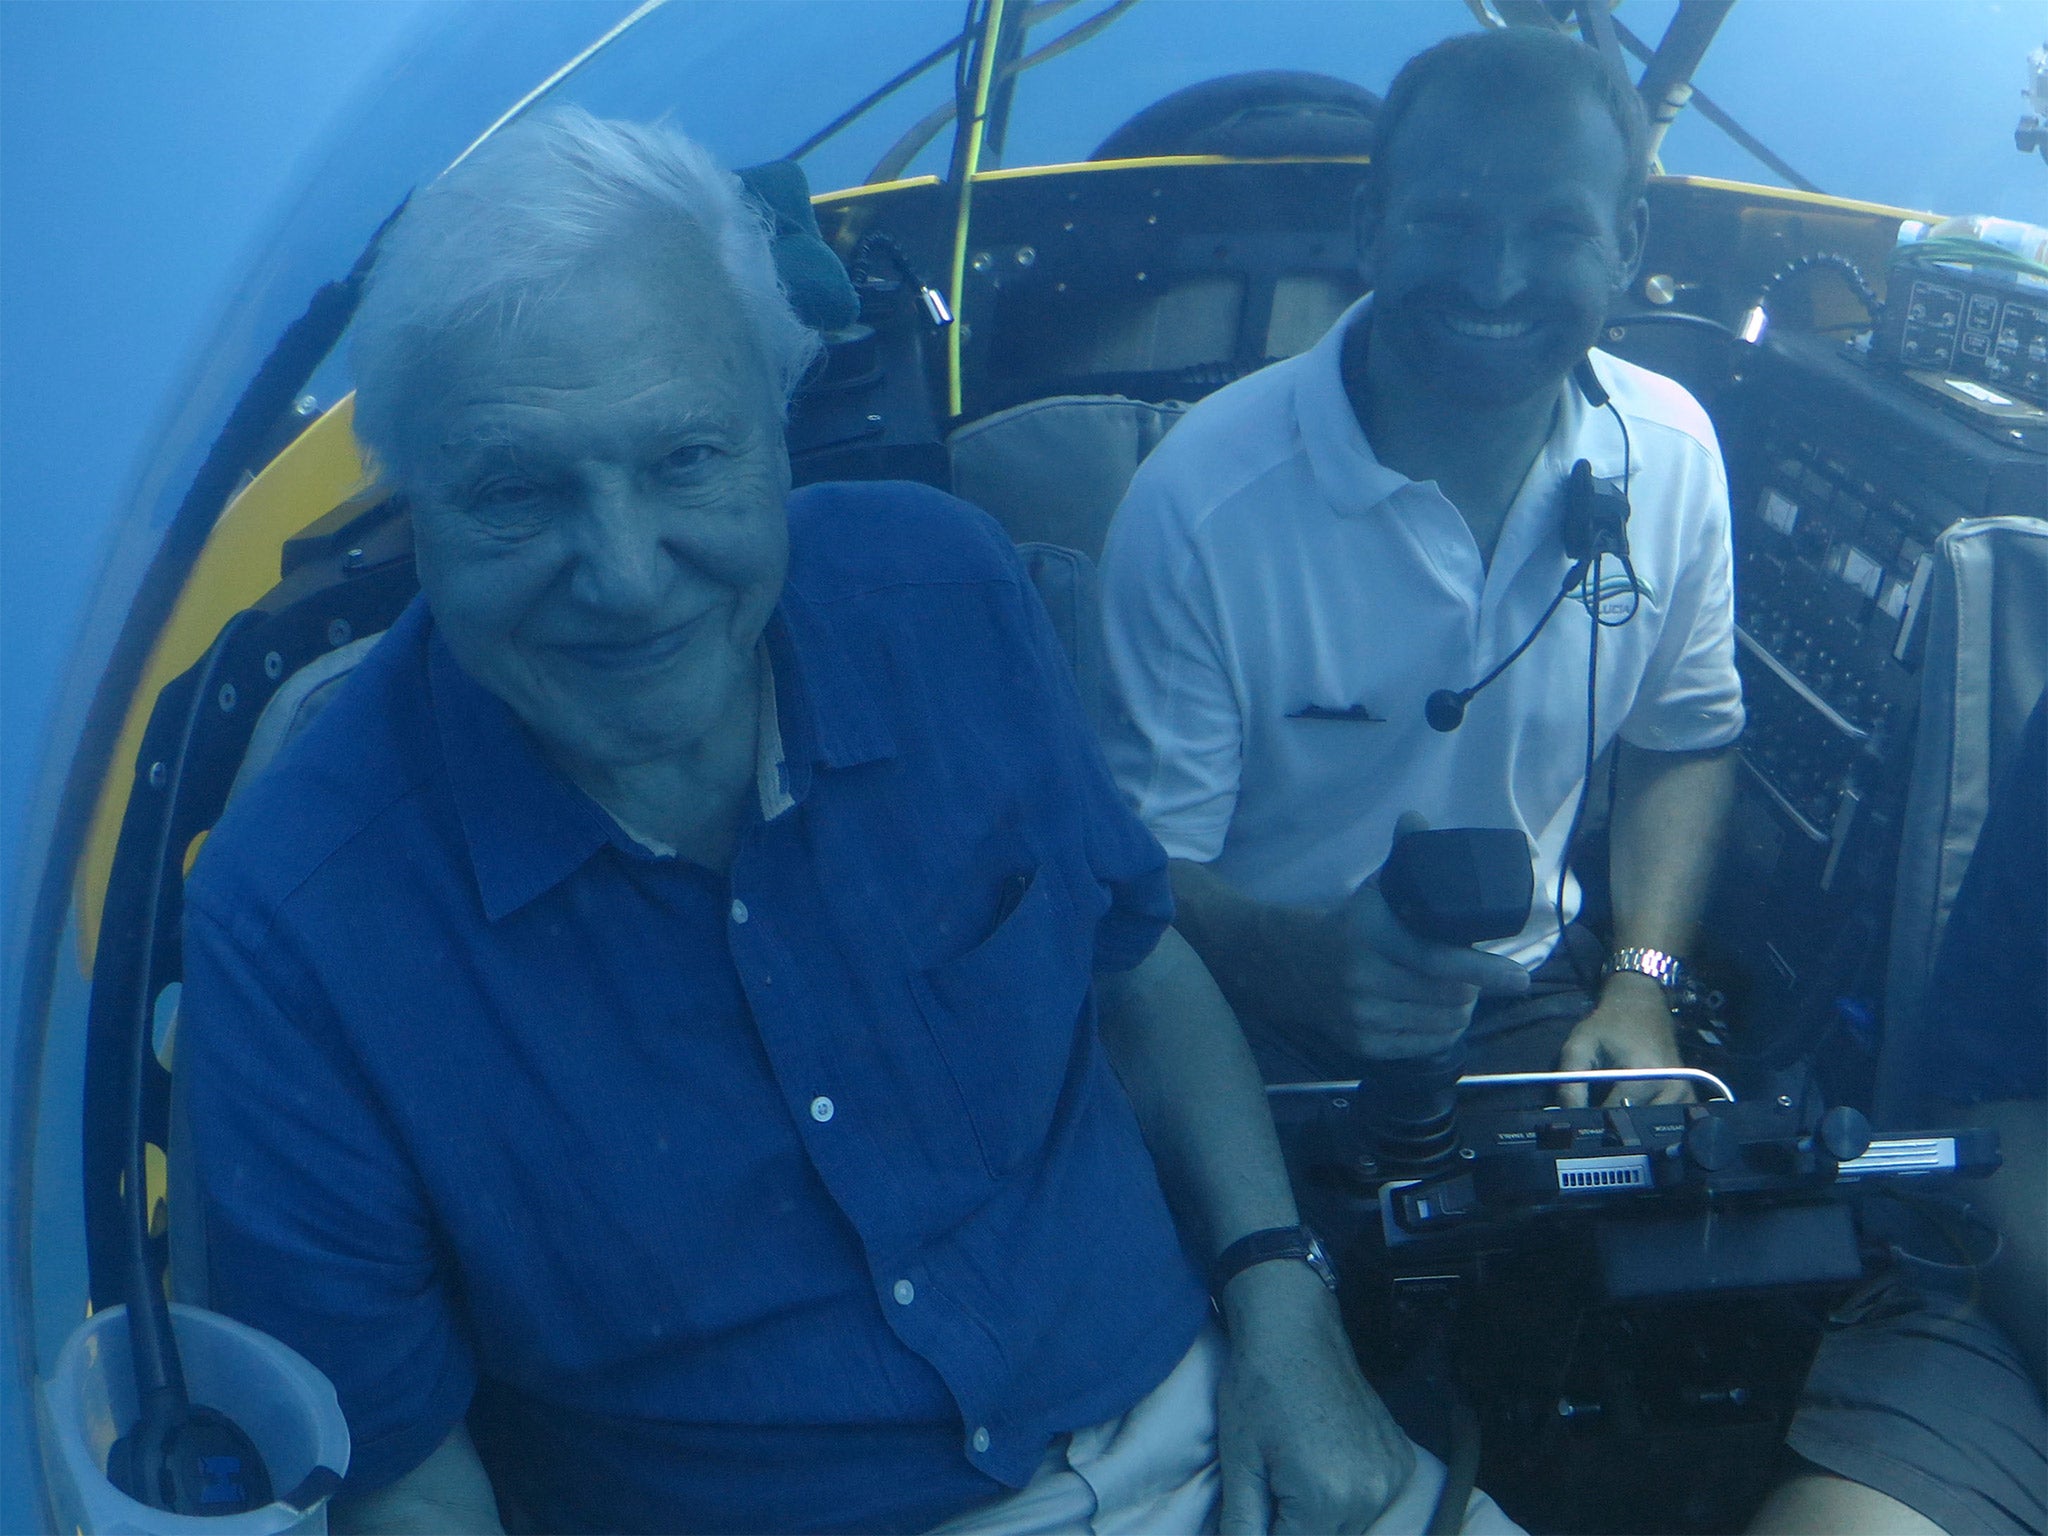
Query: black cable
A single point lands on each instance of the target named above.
(1714, 113)
(877, 96)
(158, 1370)
(907, 148)
(1461, 1471)
(1564, 860)
(1529, 639)
(1592, 705)
(970, 27)
(177, 1456)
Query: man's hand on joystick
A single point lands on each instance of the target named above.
(1401, 995)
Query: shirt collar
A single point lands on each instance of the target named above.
(826, 711)
(1348, 474)
(527, 828)
(1353, 480)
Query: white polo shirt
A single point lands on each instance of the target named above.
(1278, 604)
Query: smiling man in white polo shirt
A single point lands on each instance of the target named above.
(1319, 547)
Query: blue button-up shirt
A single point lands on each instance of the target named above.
(797, 1198)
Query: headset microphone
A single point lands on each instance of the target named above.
(1445, 709)
(1595, 524)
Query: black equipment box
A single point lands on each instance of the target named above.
(1980, 324)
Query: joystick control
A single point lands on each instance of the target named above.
(1449, 885)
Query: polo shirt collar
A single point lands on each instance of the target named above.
(1353, 480)
(1348, 474)
(527, 828)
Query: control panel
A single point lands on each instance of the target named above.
(1991, 326)
(1831, 575)
(1841, 478)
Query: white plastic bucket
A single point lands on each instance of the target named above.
(280, 1401)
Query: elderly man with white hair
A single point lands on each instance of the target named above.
(644, 1038)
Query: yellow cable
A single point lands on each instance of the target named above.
(991, 33)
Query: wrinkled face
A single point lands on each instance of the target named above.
(1497, 247)
(598, 510)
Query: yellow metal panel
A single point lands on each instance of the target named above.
(156, 1181)
(874, 188)
(1088, 167)
(1763, 194)
(1709, 183)
(316, 473)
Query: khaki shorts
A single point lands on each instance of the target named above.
(1926, 1401)
(1153, 1472)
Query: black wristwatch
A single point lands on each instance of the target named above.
(1263, 1247)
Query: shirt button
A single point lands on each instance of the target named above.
(821, 1109)
(980, 1440)
(739, 911)
(905, 1293)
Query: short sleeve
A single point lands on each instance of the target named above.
(1173, 736)
(1124, 858)
(1691, 695)
(318, 1232)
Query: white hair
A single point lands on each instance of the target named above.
(513, 224)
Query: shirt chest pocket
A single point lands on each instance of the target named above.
(1006, 1016)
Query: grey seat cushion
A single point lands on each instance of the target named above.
(1065, 579)
(1052, 471)
(299, 698)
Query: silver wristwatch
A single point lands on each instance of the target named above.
(1668, 971)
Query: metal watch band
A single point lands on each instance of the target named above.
(1668, 971)
(1263, 1247)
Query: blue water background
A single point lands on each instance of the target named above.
(151, 151)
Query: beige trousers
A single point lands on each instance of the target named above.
(1153, 1472)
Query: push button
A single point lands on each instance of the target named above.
(821, 1109)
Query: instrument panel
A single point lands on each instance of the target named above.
(1841, 479)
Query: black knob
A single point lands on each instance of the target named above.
(1711, 1143)
(1845, 1133)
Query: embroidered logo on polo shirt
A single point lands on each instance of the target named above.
(1352, 712)
(1617, 597)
